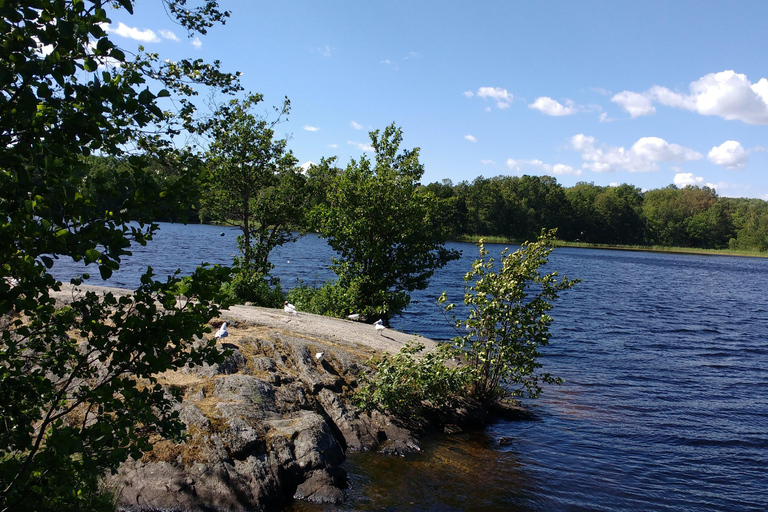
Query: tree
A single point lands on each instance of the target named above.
(77, 391)
(389, 232)
(253, 182)
(507, 320)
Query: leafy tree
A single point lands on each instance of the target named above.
(252, 180)
(507, 320)
(389, 232)
(77, 392)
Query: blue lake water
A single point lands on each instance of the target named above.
(665, 401)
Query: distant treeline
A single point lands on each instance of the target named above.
(518, 208)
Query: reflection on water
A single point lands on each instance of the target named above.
(464, 472)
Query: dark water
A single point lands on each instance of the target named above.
(665, 404)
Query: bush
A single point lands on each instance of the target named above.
(329, 300)
(507, 321)
(251, 286)
(404, 383)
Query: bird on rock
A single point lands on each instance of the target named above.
(222, 332)
(379, 325)
(354, 316)
(319, 357)
(290, 309)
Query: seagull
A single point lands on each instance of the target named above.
(355, 317)
(319, 356)
(379, 325)
(222, 332)
(290, 309)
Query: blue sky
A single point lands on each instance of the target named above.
(648, 93)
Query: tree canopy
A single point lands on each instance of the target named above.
(77, 388)
(388, 231)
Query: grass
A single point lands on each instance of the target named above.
(616, 247)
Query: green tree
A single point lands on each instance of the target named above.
(507, 321)
(77, 392)
(252, 182)
(388, 231)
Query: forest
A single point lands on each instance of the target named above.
(517, 208)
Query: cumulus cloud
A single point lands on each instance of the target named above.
(145, 36)
(311, 128)
(360, 145)
(197, 43)
(635, 104)
(167, 34)
(683, 179)
(306, 165)
(538, 165)
(355, 125)
(333, 146)
(730, 154)
(502, 97)
(550, 107)
(726, 94)
(470, 138)
(487, 162)
(643, 156)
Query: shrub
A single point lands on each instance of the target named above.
(403, 383)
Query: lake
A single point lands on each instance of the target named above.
(664, 405)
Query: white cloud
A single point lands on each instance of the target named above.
(550, 107)
(604, 118)
(682, 179)
(726, 94)
(636, 104)
(167, 34)
(311, 128)
(306, 165)
(355, 125)
(601, 90)
(470, 138)
(145, 36)
(197, 43)
(538, 165)
(643, 156)
(468, 94)
(730, 154)
(333, 146)
(487, 162)
(325, 50)
(361, 146)
(502, 97)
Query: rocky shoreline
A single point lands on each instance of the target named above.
(274, 420)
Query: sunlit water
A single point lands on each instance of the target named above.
(665, 404)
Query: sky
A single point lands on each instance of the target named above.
(649, 93)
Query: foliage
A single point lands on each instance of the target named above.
(404, 382)
(248, 285)
(518, 207)
(389, 232)
(330, 299)
(252, 181)
(77, 396)
(507, 320)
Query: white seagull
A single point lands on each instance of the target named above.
(319, 356)
(379, 325)
(222, 332)
(354, 316)
(290, 309)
